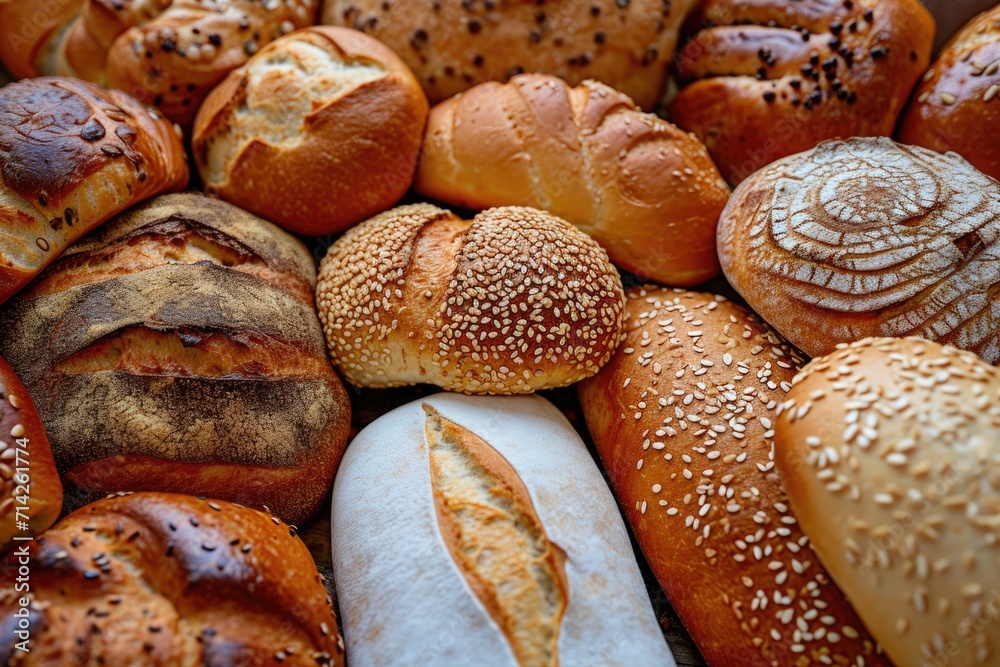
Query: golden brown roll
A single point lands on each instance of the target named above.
(71, 156)
(164, 579)
(890, 451)
(867, 237)
(512, 301)
(33, 33)
(959, 99)
(452, 46)
(682, 418)
(764, 79)
(646, 191)
(318, 131)
(178, 349)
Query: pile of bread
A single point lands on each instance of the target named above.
(172, 402)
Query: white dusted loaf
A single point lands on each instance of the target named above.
(479, 531)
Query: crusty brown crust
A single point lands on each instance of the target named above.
(682, 419)
(769, 79)
(646, 191)
(349, 109)
(71, 156)
(155, 578)
(184, 334)
(451, 46)
(958, 100)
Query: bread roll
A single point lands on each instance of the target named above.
(30, 490)
(512, 301)
(32, 34)
(498, 543)
(959, 98)
(889, 449)
(178, 349)
(682, 419)
(867, 237)
(163, 579)
(318, 131)
(765, 79)
(71, 156)
(452, 46)
(951, 15)
(647, 192)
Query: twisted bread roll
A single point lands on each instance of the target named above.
(958, 101)
(768, 79)
(890, 451)
(647, 192)
(33, 33)
(71, 156)
(867, 237)
(512, 301)
(162, 579)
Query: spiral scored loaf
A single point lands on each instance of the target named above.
(512, 301)
(163, 579)
(71, 156)
(767, 79)
(682, 418)
(452, 46)
(323, 100)
(890, 452)
(959, 99)
(864, 238)
(178, 349)
(646, 191)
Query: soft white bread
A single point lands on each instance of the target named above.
(479, 531)
(890, 452)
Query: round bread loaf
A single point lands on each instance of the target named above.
(512, 301)
(763, 79)
(178, 349)
(322, 101)
(959, 99)
(646, 191)
(498, 543)
(30, 491)
(163, 579)
(682, 418)
(452, 46)
(890, 451)
(867, 237)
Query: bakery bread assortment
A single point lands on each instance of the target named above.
(328, 101)
(512, 301)
(764, 79)
(451, 46)
(71, 156)
(165, 579)
(959, 97)
(683, 420)
(499, 543)
(889, 449)
(646, 191)
(30, 491)
(866, 237)
(178, 349)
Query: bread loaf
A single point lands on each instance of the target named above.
(322, 101)
(71, 156)
(682, 418)
(647, 192)
(163, 579)
(30, 490)
(952, 15)
(889, 449)
(452, 46)
(512, 301)
(959, 98)
(867, 237)
(497, 543)
(178, 349)
(32, 34)
(764, 79)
